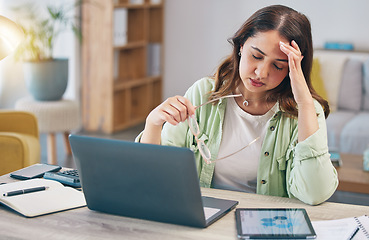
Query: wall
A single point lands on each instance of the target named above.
(196, 32)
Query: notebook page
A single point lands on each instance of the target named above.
(335, 229)
(363, 233)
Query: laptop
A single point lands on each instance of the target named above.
(145, 181)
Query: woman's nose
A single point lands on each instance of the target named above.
(262, 70)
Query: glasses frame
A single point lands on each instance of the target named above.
(195, 130)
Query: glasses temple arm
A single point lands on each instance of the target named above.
(216, 99)
(238, 150)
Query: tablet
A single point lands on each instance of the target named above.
(274, 223)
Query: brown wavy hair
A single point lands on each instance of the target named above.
(291, 25)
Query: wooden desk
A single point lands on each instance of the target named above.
(351, 176)
(83, 223)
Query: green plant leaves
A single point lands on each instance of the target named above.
(41, 34)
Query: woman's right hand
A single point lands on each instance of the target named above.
(173, 110)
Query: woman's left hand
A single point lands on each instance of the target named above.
(299, 87)
(307, 118)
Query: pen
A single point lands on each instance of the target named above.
(23, 191)
(353, 235)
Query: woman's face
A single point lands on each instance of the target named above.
(263, 66)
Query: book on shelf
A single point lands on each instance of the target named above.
(37, 197)
(116, 65)
(120, 27)
(354, 228)
(154, 59)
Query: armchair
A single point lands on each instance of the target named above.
(19, 140)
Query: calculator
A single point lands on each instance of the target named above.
(67, 177)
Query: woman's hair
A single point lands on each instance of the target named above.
(291, 25)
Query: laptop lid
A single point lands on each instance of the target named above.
(144, 181)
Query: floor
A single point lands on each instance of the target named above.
(130, 135)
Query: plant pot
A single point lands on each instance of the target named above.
(46, 80)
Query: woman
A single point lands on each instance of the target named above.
(268, 129)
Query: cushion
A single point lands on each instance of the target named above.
(350, 93)
(335, 123)
(332, 65)
(355, 134)
(317, 80)
(366, 85)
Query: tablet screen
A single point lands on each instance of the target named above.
(273, 223)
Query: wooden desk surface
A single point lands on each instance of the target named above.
(352, 177)
(83, 223)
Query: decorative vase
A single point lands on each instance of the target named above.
(46, 80)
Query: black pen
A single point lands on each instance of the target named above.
(354, 233)
(23, 191)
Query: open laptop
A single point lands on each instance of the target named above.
(144, 181)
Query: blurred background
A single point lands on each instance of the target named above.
(195, 38)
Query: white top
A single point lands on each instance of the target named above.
(239, 171)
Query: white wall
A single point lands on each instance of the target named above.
(196, 32)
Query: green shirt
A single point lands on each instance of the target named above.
(288, 169)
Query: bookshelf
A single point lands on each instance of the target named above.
(121, 83)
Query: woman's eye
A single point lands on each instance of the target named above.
(278, 68)
(258, 58)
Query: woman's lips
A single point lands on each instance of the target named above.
(256, 83)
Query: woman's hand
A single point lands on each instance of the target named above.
(307, 118)
(299, 87)
(173, 110)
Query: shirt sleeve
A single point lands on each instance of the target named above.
(312, 178)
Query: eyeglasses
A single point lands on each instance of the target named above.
(195, 129)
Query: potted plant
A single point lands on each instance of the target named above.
(46, 77)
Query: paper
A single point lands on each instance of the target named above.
(363, 233)
(335, 229)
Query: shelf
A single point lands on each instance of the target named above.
(156, 27)
(122, 85)
(131, 45)
(138, 6)
(130, 64)
(144, 4)
(118, 90)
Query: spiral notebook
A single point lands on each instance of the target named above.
(355, 228)
(363, 223)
